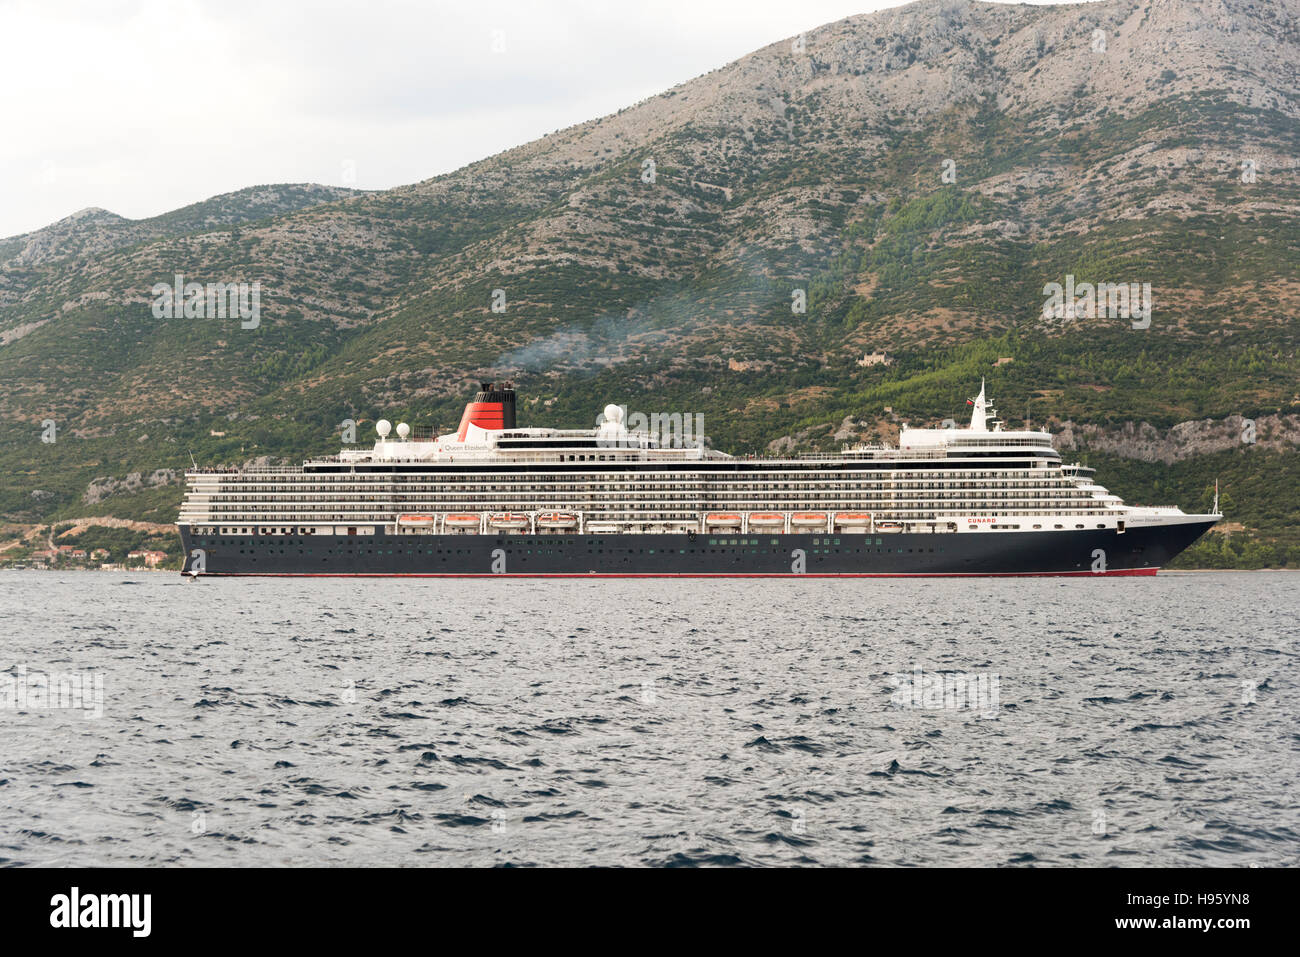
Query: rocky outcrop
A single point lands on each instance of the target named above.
(787, 444)
(102, 488)
(848, 429)
(1143, 441)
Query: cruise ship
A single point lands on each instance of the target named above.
(494, 499)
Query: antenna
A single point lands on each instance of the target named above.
(1215, 509)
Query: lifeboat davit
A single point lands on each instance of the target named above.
(416, 521)
(462, 520)
(852, 519)
(766, 520)
(508, 520)
(722, 520)
(557, 520)
(808, 520)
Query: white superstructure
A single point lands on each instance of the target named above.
(976, 479)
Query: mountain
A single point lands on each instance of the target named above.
(24, 259)
(918, 177)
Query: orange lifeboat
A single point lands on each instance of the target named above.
(416, 521)
(462, 520)
(722, 520)
(557, 520)
(853, 519)
(808, 520)
(508, 520)
(766, 520)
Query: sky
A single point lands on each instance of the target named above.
(144, 106)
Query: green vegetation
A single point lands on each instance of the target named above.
(677, 296)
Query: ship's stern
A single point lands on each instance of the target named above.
(194, 559)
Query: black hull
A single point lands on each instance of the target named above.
(1137, 551)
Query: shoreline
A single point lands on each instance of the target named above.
(177, 571)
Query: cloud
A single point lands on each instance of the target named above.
(142, 106)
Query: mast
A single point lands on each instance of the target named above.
(979, 415)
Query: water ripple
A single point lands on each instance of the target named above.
(654, 723)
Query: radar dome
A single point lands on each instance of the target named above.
(613, 414)
(403, 430)
(383, 427)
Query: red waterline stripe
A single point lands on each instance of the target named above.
(1127, 572)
